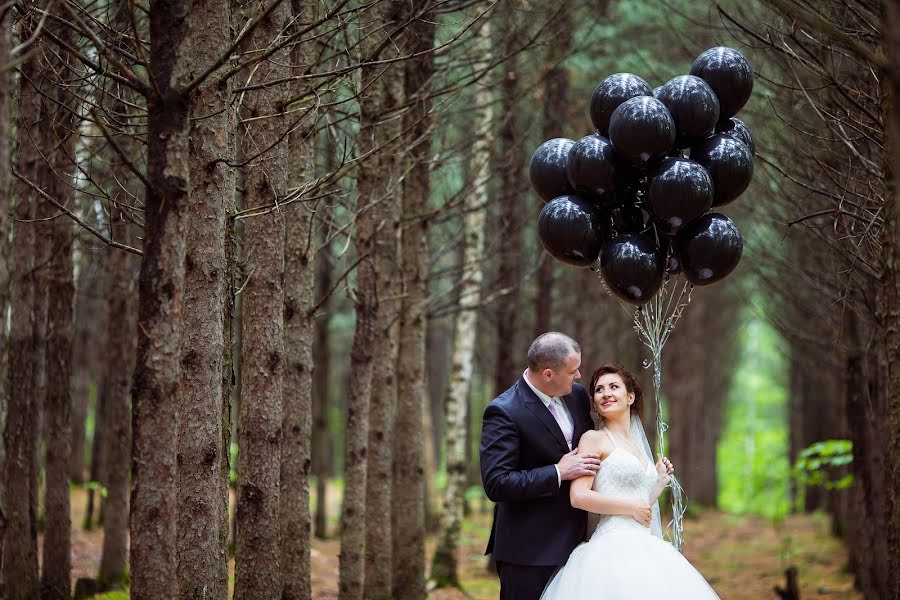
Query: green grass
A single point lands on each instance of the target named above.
(112, 596)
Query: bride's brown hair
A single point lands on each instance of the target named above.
(631, 385)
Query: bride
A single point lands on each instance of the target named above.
(626, 557)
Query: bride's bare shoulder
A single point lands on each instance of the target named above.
(593, 441)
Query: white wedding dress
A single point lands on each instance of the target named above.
(623, 560)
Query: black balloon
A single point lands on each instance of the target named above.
(613, 91)
(642, 131)
(680, 191)
(547, 169)
(730, 164)
(730, 76)
(572, 231)
(627, 216)
(709, 248)
(591, 166)
(738, 130)
(673, 264)
(694, 108)
(612, 201)
(633, 267)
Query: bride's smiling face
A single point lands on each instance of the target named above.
(611, 396)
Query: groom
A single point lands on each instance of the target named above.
(529, 455)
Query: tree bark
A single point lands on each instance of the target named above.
(202, 488)
(321, 440)
(508, 223)
(408, 494)
(388, 85)
(445, 567)
(161, 287)
(61, 123)
(298, 341)
(374, 186)
(691, 388)
(258, 568)
(20, 563)
(90, 315)
(120, 351)
(890, 296)
(97, 474)
(5, 230)
(554, 110)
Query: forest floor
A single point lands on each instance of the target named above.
(742, 557)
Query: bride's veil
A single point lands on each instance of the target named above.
(639, 439)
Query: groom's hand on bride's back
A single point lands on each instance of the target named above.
(574, 465)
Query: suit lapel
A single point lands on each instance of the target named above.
(537, 408)
(575, 410)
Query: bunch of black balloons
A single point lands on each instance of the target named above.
(637, 192)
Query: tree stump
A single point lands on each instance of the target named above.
(791, 591)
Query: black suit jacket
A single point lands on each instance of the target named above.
(534, 522)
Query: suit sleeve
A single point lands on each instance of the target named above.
(503, 481)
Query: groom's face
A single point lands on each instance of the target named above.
(561, 379)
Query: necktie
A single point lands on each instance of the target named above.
(557, 411)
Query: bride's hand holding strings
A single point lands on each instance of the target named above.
(664, 470)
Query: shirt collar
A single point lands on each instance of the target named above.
(543, 397)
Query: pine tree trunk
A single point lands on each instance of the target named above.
(202, 489)
(408, 494)
(890, 300)
(90, 314)
(868, 466)
(120, 351)
(374, 187)
(97, 473)
(161, 288)
(5, 229)
(20, 566)
(445, 567)
(57, 565)
(554, 111)
(511, 208)
(258, 572)
(321, 440)
(121, 311)
(388, 86)
(298, 340)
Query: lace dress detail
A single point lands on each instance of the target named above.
(623, 476)
(623, 560)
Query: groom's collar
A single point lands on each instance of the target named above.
(541, 395)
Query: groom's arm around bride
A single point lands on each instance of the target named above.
(527, 461)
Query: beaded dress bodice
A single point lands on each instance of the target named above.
(623, 476)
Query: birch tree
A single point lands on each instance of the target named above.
(445, 567)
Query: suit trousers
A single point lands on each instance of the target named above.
(523, 582)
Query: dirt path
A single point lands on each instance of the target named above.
(742, 557)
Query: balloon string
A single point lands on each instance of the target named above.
(653, 323)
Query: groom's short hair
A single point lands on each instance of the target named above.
(550, 351)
